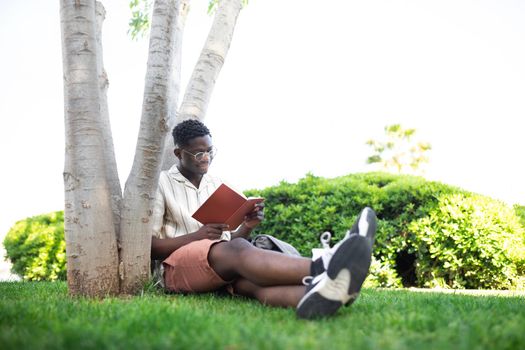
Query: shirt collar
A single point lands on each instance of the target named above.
(175, 173)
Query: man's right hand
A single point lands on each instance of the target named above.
(211, 231)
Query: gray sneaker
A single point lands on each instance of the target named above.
(341, 283)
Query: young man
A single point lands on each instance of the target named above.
(200, 258)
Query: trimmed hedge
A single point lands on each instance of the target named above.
(429, 234)
(520, 212)
(469, 242)
(36, 247)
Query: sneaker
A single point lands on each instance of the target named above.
(365, 225)
(341, 283)
(321, 256)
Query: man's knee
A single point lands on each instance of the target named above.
(226, 257)
(230, 249)
(239, 245)
(240, 248)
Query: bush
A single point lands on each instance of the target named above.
(429, 234)
(36, 247)
(404, 251)
(469, 242)
(520, 212)
(382, 274)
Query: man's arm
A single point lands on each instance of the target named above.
(250, 222)
(242, 232)
(161, 248)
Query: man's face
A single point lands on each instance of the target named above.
(186, 155)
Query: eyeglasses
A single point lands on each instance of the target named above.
(200, 155)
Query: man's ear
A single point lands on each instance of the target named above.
(177, 152)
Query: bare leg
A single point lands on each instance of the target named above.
(238, 258)
(283, 296)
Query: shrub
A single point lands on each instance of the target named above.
(299, 213)
(429, 234)
(382, 274)
(36, 247)
(520, 212)
(469, 242)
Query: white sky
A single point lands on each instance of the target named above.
(305, 84)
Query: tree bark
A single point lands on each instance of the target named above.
(98, 218)
(207, 69)
(211, 60)
(167, 154)
(109, 150)
(158, 106)
(91, 245)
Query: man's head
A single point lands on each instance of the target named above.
(187, 130)
(193, 147)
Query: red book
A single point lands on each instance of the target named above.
(225, 206)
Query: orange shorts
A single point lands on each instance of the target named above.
(187, 269)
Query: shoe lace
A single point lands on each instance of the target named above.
(325, 250)
(308, 280)
(325, 239)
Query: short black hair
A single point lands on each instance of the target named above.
(188, 130)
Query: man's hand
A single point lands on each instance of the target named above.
(255, 217)
(211, 231)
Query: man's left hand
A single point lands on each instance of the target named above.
(255, 217)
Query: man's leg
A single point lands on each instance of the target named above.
(275, 278)
(283, 296)
(238, 258)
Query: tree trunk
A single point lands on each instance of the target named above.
(158, 106)
(207, 69)
(213, 54)
(109, 150)
(95, 210)
(167, 154)
(90, 236)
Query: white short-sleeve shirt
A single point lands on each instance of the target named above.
(176, 200)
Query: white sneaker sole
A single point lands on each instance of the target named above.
(342, 283)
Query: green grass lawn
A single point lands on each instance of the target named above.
(43, 316)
